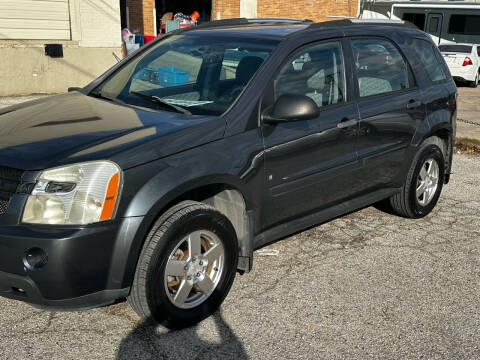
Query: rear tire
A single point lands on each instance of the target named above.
(170, 262)
(474, 84)
(424, 181)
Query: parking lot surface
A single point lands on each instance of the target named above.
(366, 285)
(468, 125)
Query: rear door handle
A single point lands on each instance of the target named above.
(347, 123)
(412, 104)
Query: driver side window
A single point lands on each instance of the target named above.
(316, 71)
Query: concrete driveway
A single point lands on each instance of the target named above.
(468, 124)
(367, 285)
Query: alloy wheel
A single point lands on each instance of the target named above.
(427, 182)
(194, 269)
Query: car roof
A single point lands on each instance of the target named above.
(279, 28)
(259, 31)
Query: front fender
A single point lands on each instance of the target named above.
(149, 189)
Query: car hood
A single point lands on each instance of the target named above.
(74, 127)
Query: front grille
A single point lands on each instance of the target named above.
(9, 180)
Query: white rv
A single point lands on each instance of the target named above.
(446, 21)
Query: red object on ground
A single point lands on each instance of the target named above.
(186, 25)
(149, 38)
(195, 15)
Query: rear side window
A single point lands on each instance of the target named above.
(379, 66)
(430, 61)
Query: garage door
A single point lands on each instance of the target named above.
(34, 19)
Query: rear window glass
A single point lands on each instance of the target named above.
(431, 63)
(464, 24)
(456, 48)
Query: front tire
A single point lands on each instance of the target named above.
(424, 181)
(187, 266)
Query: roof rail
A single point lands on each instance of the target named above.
(252, 21)
(352, 22)
(279, 20)
(387, 22)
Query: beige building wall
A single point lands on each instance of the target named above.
(95, 35)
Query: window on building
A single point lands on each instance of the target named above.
(316, 71)
(464, 24)
(430, 61)
(417, 19)
(380, 67)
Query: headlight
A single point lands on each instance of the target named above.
(75, 194)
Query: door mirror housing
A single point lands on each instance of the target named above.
(291, 107)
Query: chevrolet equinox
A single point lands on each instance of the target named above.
(156, 182)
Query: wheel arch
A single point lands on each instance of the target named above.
(444, 132)
(225, 193)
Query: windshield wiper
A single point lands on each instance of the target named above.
(159, 101)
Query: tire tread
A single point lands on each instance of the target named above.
(138, 299)
(400, 201)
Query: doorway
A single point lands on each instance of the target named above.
(187, 7)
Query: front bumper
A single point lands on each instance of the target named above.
(87, 266)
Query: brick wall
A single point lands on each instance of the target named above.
(141, 11)
(316, 10)
(140, 14)
(225, 9)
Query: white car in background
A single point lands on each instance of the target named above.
(463, 60)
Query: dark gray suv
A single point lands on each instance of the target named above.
(156, 182)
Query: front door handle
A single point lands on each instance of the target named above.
(412, 104)
(347, 123)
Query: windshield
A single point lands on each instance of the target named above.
(464, 49)
(198, 73)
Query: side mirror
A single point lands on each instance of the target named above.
(291, 107)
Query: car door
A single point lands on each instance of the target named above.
(390, 106)
(310, 164)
